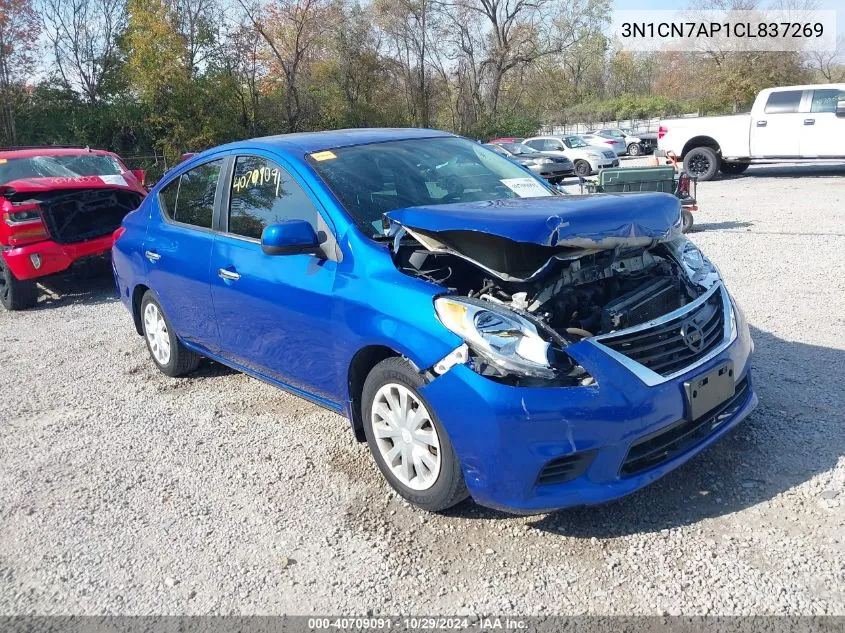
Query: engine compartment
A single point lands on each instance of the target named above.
(575, 298)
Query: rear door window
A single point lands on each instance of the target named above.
(263, 193)
(826, 100)
(783, 102)
(189, 199)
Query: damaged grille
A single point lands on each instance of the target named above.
(681, 436)
(669, 347)
(609, 154)
(83, 215)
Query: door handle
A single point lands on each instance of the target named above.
(152, 256)
(809, 121)
(228, 275)
(761, 124)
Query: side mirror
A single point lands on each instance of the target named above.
(840, 108)
(289, 238)
(140, 175)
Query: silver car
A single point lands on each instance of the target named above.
(588, 159)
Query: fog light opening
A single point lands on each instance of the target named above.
(36, 260)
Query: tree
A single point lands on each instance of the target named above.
(82, 35)
(830, 65)
(18, 35)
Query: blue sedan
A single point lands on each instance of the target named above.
(486, 336)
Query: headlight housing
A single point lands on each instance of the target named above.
(503, 338)
(593, 155)
(543, 161)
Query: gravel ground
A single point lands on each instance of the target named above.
(123, 491)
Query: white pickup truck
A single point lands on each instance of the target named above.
(794, 123)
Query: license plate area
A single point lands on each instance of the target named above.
(707, 391)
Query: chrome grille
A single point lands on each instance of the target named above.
(669, 346)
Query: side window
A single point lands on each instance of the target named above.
(190, 198)
(783, 102)
(264, 193)
(537, 143)
(553, 145)
(826, 100)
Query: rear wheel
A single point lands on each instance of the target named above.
(634, 149)
(14, 293)
(702, 163)
(686, 221)
(733, 169)
(169, 355)
(582, 168)
(407, 440)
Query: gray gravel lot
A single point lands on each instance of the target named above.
(124, 491)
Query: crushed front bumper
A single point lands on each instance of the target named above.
(54, 257)
(507, 437)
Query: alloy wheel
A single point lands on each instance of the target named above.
(698, 165)
(406, 436)
(158, 337)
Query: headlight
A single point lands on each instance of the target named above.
(501, 337)
(543, 161)
(593, 155)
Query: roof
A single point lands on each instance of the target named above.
(309, 142)
(50, 151)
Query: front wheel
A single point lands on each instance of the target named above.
(582, 168)
(168, 353)
(14, 293)
(702, 163)
(407, 440)
(634, 149)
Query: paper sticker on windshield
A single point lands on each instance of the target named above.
(526, 187)
(114, 180)
(323, 156)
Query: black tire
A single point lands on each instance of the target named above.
(582, 168)
(686, 221)
(14, 293)
(733, 169)
(449, 488)
(181, 360)
(702, 163)
(634, 149)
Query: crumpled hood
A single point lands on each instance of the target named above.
(51, 183)
(587, 222)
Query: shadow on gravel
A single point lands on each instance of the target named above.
(721, 226)
(211, 369)
(794, 434)
(791, 171)
(91, 285)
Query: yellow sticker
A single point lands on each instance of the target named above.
(323, 156)
(3, 161)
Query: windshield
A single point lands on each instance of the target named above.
(518, 148)
(370, 180)
(69, 166)
(575, 141)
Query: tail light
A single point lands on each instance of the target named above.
(23, 224)
(683, 185)
(662, 131)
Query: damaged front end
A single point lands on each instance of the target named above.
(523, 288)
(76, 215)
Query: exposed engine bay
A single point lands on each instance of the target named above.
(573, 294)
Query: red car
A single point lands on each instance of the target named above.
(57, 206)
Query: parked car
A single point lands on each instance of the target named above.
(507, 139)
(795, 123)
(58, 206)
(636, 144)
(485, 336)
(551, 168)
(587, 159)
(616, 144)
